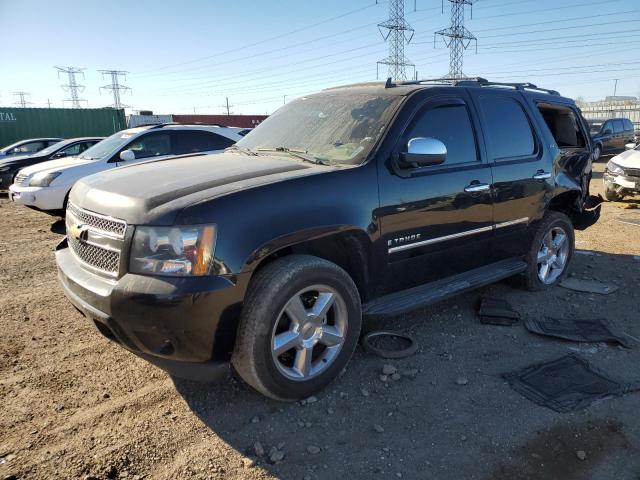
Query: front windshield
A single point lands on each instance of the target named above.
(52, 148)
(595, 127)
(333, 127)
(107, 146)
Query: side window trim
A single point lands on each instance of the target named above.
(537, 142)
(439, 100)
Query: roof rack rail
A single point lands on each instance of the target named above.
(478, 81)
(518, 86)
(199, 124)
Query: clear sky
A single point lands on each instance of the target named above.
(192, 54)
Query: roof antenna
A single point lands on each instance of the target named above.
(389, 83)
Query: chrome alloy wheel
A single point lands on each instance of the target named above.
(553, 255)
(309, 332)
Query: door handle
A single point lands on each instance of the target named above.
(541, 175)
(476, 187)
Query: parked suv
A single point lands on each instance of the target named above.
(364, 200)
(610, 136)
(9, 167)
(46, 186)
(27, 147)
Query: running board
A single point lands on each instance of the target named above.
(429, 293)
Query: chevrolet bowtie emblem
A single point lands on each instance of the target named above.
(78, 231)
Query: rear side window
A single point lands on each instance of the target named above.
(199, 141)
(563, 124)
(627, 124)
(618, 127)
(452, 126)
(507, 127)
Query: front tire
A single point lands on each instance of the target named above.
(550, 253)
(612, 195)
(299, 326)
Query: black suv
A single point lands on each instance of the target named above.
(365, 200)
(610, 136)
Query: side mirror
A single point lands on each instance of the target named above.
(425, 151)
(608, 131)
(630, 146)
(59, 155)
(127, 155)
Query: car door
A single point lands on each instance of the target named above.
(629, 132)
(521, 170)
(608, 137)
(148, 146)
(436, 220)
(618, 135)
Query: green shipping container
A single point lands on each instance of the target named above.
(22, 123)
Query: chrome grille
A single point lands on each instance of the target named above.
(632, 172)
(99, 222)
(100, 241)
(106, 260)
(20, 178)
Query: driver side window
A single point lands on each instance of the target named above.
(452, 126)
(152, 145)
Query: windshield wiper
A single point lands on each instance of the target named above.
(294, 152)
(242, 149)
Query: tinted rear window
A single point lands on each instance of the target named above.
(627, 124)
(618, 127)
(508, 130)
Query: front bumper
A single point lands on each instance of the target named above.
(42, 198)
(185, 326)
(621, 182)
(6, 179)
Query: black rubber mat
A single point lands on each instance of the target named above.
(566, 384)
(496, 311)
(578, 330)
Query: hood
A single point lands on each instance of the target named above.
(55, 165)
(628, 159)
(12, 159)
(155, 192)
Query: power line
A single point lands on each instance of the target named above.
(115, 86)
(22, 101)
(72, 87)
(457, 37)
(398, 32)
(276, 37)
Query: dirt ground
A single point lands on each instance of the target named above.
(74, 405)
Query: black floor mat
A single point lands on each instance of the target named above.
(496, 311)
(578, 330)
(566, 384)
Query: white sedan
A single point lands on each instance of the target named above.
(622, 175)
(46, 186)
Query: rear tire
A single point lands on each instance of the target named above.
(299, 326)
(550, 253)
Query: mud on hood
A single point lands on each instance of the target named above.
(155, 191)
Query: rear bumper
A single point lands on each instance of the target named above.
(185, 326)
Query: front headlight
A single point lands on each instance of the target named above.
(176, 251)
(43, 179)
(614, 168)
